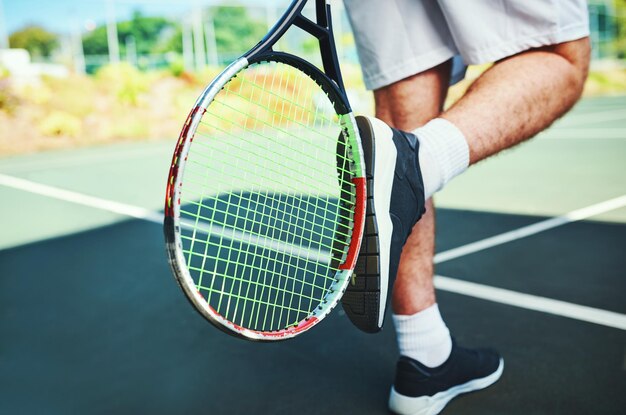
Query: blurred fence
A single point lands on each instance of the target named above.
(605, 21)
(198, 46)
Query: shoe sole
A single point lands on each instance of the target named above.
(366, 295)
(432, 405)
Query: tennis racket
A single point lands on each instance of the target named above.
(266, 192)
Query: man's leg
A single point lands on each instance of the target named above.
(520, 96)
(514, 100)
(406, 105)
(421, 332)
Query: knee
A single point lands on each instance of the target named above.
(578, 54)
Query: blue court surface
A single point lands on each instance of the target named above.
(531, 261)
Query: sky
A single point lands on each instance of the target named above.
(63, 16)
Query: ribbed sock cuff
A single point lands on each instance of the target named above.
(443, 154)
(423, 336)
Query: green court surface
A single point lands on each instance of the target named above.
(530, 255)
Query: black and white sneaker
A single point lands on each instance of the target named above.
(420, 390)
(395, 203)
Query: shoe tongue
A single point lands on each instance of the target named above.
(404, 143)
(410, 138)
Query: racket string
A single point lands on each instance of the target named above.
(340, 208)
(253, 282)
(293, 234)
(245, 170)
(255, 132)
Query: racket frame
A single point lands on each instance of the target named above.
(332, 83)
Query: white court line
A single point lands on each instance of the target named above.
(155, 217)
(533, 229)
(276, 245)
(532, 302)
(80, 199)
(606, 318)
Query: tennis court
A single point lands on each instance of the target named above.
(531, 258)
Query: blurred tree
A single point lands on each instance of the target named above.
(310, 45)
(35, 39)
(620, 28)
(147, 32)
(170, 40)
(95, 42)
(235, 30)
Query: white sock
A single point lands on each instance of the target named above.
(424, 336)
(443, 154)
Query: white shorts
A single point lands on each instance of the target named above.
(399, 38)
